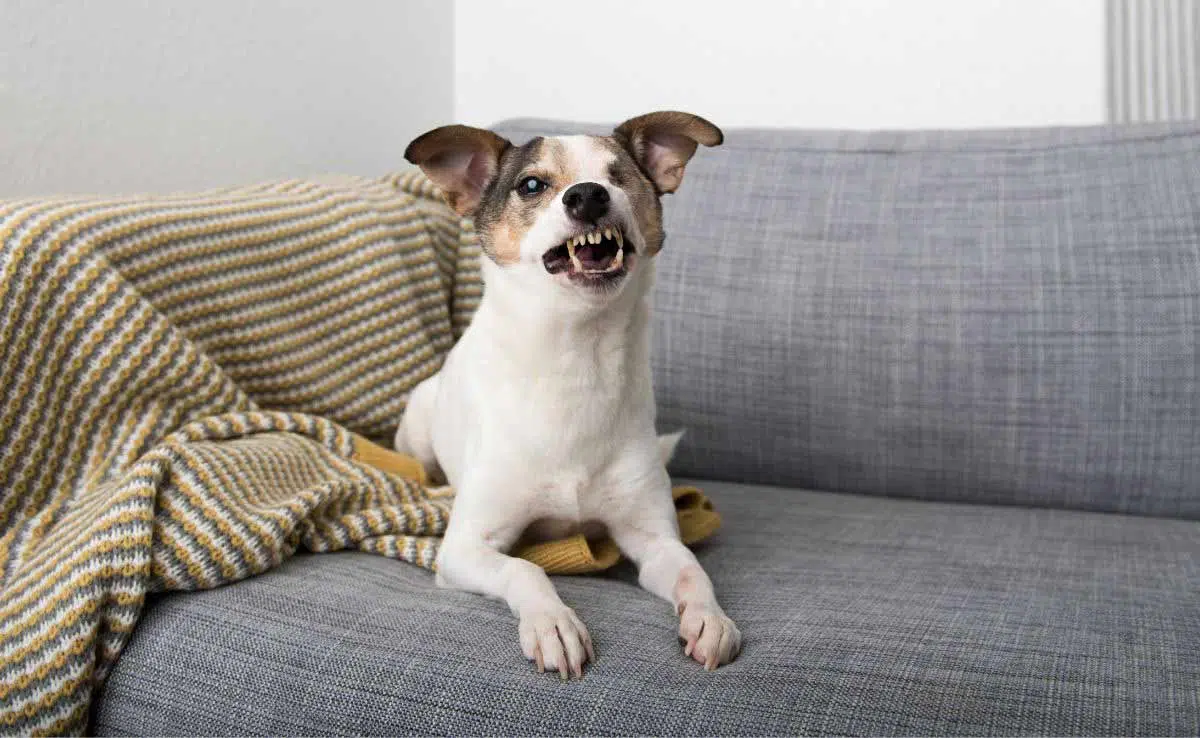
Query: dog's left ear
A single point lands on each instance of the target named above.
(461, 160)
(664, 142)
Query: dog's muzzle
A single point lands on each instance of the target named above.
(597, 255)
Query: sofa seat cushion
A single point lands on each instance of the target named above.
(861, 615)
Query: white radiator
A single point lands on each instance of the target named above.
(1153, 60)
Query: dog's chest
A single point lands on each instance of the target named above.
(568, 492)
(567, 503)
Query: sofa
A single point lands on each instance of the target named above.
(943, 388)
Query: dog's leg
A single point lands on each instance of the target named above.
(551, 634)
(669, 569)
(414, 436)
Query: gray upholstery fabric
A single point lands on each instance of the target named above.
(862, 615)
(1008, 316)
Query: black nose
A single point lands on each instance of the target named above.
(586, 202)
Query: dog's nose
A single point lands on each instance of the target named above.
(586, 202)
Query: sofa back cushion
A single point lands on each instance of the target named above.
(994, 316)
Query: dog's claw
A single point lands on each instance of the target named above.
(556, 641)
(712, 638)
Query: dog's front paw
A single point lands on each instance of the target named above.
(710, 637)
(556, 639)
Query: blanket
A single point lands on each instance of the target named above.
(195, 387)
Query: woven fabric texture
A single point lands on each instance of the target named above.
(989, 316)
(861, 615)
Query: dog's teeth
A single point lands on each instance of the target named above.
(575, 262)
(620, 238)
(594, 237)
(617, 261)
(608, 234)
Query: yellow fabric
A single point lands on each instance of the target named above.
(575, 554)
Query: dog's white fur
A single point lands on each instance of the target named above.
(542, 419)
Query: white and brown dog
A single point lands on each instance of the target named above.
(542, 417)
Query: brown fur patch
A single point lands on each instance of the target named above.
(460, 160)
(663, 142)
(504, 217)
(647, 207)
(557, 166)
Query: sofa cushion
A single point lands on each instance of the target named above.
(998, 316)
(861, 615)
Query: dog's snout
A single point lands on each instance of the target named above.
(586, 202)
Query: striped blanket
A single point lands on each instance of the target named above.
(192, 388)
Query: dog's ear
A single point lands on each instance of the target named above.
(461, 160)
(663, 142)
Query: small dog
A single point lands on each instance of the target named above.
(542, 417)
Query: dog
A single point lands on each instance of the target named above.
(542, 417)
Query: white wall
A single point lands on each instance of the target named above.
(151, 95)
(815, 63)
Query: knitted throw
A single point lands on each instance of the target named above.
(189, 387)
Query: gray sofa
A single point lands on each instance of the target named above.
(944, 388)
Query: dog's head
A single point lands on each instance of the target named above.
(576, 212)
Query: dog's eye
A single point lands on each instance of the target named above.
(531, 186)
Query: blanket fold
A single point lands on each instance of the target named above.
(191, 388)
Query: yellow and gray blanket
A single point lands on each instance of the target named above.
(192, 388)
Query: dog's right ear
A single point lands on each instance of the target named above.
(460, 160)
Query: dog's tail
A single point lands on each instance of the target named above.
(667, 444)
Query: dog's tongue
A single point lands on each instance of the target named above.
(594, 257)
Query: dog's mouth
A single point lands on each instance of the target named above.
(597, 256)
